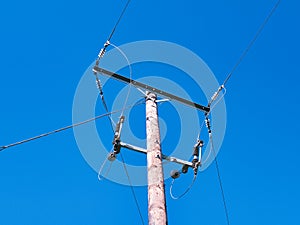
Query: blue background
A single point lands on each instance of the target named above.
(46, 47)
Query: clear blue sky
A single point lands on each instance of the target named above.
(45, 49)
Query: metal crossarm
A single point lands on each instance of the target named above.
(168, 158)
(152, 89)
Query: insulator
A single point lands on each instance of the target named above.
(117, 148)
(201, 143)
(103, 50)
(175, 174)
(111, 157)
(185, 169)
(101, 53)
(213, 98)
(196, 165)
(216, 94)
(195, 159)
(99, 86)
(196, 151)
(207, 122)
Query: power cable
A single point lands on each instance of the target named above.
(245, 52)
(185, 192)
(259, 31)
(107, 43)
(219, 179)
(67, 127)
(132, 189)
(102, 167)
(101, 54)
(130, 75)
(216, 94)
(118, 21)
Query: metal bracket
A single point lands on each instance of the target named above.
(119, 77)
(168, 158)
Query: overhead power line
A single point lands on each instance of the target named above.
(220, 180)
(245, 52)
(107, 43)
(101, 54)
(67, 127)
(253, 40)
(118, 21)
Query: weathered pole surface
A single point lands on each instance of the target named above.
(156, 191)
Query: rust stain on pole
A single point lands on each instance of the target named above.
(156, 191)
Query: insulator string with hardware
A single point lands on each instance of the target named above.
(207, 121)
(101, 54)
(107, 43)
(99, 86)
(196, 162)
(217, 99)
(112, 155)
(67, 127)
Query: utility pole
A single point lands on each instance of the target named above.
(156, 191)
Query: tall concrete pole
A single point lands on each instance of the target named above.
(156, 191)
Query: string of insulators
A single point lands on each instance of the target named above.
(207, 123)
(215, 95)
(102, 52)
(99, 86)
